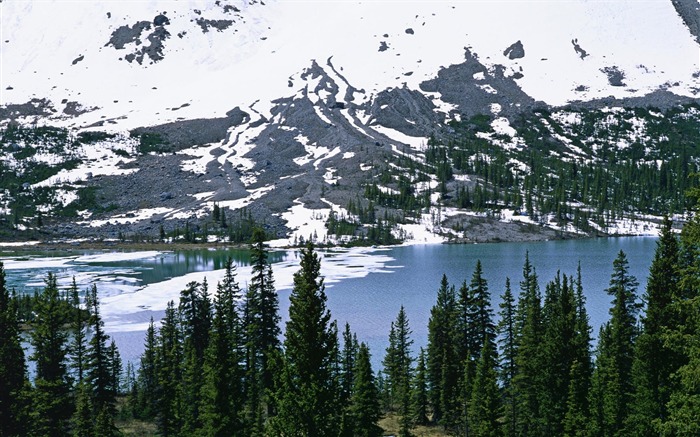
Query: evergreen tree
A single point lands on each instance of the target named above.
(576, 419)
(485, 408)
(655, 362)
(613, 380)
(528, 381)
(13, 378)
(169, 368)
(52, 407)
(419, 395)
(82, 422)
(195, 324)
(442, 362)
(147, 377)
(348, 356)
(262, 331)
(98, 365)
(364, 402)
(307, 399)
(507, 332)
(79, 335)
(222, 391)
(398, 368)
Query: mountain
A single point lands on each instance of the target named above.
(469, 121)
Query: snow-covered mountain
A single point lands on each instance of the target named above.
(287, 107)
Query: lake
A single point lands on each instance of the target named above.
(365, 287)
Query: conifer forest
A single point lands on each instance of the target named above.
(221, 364)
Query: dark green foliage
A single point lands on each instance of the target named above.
(612, 383)
(442, 362)
(13, 378)
(398, 367)
(169, 374)
(222, 391)
(507, 340)
(147, 380)
(78, 344)
(485, 408)
(262, 330)
(98, 367)
(655, 362)
(419, 394)
(152, 142)
(364, 402)
(51, 404)
(307, 397)
(528, 381)
(195, 324)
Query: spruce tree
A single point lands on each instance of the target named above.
(441, 360)
(169, 374)
(13, 377)
(655, 362)
(528, 381)
(78, 343)
(262, 331)
(52, 406)
(147, 379)
(507, 331)
(195, 323)
(307, 396)
(576, 419)
(419, 395)
(398, 367)
(348, 356)
(364, 402)
(222, 392)
(613, 374)
(98, 365)
(485, 409)
(559, 350)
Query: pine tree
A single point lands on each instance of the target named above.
(528, 380)
(613, 379)
(147, 377)
(507, 331)
(441, 360)
(348, 356)
(576, 419)
(262, 331)
(52, 404)
(222, 391)
(13, 378)
(169, 368)
(98, 372)
(398, 369)
(308, 392)
(78, 327)
(364, 402)
(559, 350)
(82, 421)
(654, 362)
(419, 394)
(195, 324)
(485, 408)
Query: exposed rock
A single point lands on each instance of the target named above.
(457, 85)
(578, 49)
(689, 10)
(615, 76)
(515, 50)
(219, 25)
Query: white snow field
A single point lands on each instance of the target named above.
(259, 57)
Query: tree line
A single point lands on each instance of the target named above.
(221, 365)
